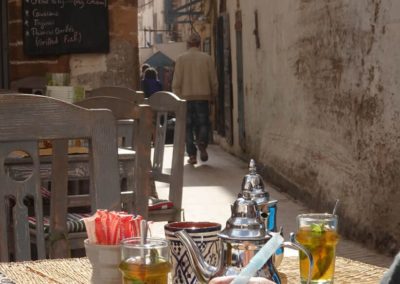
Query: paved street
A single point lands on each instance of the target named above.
(210, 188)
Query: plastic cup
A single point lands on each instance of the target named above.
(318, 233)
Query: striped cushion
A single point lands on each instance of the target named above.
(74, 223)
(74, 220)
(45, 192)
(159, 204)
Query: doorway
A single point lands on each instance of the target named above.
(4, 82)
(224, 120)
(240, 85)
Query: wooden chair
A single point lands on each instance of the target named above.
(30, 85)
(136, 97)
(163, 104)
(124, 125)
(141, 116)
(25, 119)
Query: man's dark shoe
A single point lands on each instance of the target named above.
(192, 160)
(203, 153)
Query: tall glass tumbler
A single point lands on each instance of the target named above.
(145, 263)
(317, 232)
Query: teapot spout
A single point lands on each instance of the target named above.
(204, 272)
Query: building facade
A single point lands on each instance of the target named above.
(118, 67)
(315, 100)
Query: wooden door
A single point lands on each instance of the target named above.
(224, 101)
(240, 87)
(4, 45)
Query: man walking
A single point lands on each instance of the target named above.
(195, 81)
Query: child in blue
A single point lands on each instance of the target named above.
(150, 82)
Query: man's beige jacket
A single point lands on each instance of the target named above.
(194, 76)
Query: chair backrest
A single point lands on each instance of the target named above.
(123, 93)
(30, 85)
(141, 116)
(26, 119)
(164, 104)
(123, 110)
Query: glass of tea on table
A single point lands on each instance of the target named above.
(145, 263)
(317, 232)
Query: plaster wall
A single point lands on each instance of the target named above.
(144, 54)
(151, 22)
(322, 106)
(172, 50)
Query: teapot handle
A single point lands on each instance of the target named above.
(293, 244)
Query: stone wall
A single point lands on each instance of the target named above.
(322, 107)
(120, 67)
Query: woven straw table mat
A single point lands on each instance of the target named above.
(71, 270)
(78, 270)
(346, 271)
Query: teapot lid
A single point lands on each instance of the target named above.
(253, 185)
(245, 223)
(252, 179)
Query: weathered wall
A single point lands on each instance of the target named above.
(322, 106)
(172, 50)
(119, 67)
(21, 65)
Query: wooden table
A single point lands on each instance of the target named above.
(20, 168)
(78, 270)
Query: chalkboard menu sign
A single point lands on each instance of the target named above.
(53, 27)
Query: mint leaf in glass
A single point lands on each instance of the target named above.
(324, 263)
(154, 257)
(317, 228)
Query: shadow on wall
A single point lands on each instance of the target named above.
(164, 66)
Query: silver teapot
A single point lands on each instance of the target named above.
(245, 233)
(253, 187)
